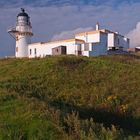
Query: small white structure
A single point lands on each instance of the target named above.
(22, 33)
(92, 43)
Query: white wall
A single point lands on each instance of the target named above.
(81, 37)
(110, 40)
(22, 45)
(44, 49)
(95, 37)
(85, 53)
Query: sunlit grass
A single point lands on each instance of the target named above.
(39, 98)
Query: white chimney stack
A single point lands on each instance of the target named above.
(97, 26)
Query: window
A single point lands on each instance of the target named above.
(86, 47)
(30, 51)
(118, 41)
(79, 47)
(16, 49)
(35, 51)
(57, 50)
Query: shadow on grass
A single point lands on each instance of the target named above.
(129, 124)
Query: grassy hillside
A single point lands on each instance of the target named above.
(70, 98)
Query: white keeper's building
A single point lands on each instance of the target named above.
(91, 43)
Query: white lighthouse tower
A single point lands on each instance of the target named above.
(22, 34)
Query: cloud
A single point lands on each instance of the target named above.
(134, 35)
(44, 3)
(70, 34)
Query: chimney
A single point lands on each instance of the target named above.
(97, 26)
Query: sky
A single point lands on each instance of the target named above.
(60, 19)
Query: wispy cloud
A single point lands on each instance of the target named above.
(70, 34)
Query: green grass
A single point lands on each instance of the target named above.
(68, 97)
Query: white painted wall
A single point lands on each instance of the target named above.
(22, 45)
(82, 37)
(44, 49)
(86, 53)
(95, 37)
(110, 40)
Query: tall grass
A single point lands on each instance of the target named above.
(70, 98)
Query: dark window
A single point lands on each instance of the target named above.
(118, 41)
(30, 51)
(57, 50)
(16, 49)
(35, 51)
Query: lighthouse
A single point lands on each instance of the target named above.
(22, 33)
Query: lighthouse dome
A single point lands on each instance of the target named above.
(23, 13)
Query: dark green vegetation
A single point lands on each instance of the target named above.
(70, 98)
